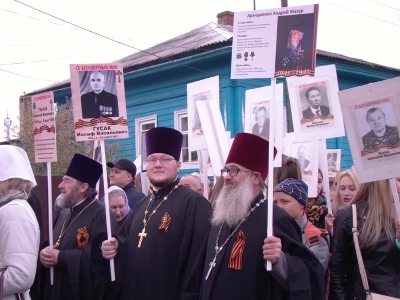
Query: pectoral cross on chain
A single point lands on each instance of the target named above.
(212, 265)
(142, 235)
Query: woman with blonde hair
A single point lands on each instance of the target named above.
(345, 190)
(19, 228)
(379, 230)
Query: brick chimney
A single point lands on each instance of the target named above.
(225, 18)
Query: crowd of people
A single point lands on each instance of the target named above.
(175, 243)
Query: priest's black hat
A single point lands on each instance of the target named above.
(164, 140)
(84, 169)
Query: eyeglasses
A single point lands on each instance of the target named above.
(163, 160)
(232, 171)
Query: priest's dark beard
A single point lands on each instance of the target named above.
(233, 203)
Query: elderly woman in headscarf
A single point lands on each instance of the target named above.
(19, 228)
(119, 205)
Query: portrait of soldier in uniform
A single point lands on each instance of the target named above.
(98, 102)
(381, 135)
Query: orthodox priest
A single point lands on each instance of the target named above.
(232, 262)
(157, 251)
(82, 219)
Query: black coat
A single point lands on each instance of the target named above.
(308, 114)
(106, 103)
(381, 262)
(305, 273)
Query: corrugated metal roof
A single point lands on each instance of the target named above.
(197, 39)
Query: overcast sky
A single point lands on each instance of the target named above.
(41, 48)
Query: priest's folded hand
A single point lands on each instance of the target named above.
(109, 248)
(48, 257)
(272, 249)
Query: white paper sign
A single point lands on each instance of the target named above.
(215, 134)
(44, 124)
(316, 112)
(372, 118)
(307, 153)
(206, 89)
(98, 99)
(258, 115)
(274, 42)
(333, 158)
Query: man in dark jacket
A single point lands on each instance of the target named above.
(123, 175)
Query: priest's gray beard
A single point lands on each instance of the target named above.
(68, 200)
(291, 45)
(233, 203)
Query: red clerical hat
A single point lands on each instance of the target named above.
(251, 152)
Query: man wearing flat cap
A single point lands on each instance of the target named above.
(231, 264)
(158, 249)
(122, 175)
(74, 229)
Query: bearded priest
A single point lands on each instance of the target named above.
(232, 262)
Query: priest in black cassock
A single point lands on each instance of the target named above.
(155, 254)
(231, 263)
(75, 227)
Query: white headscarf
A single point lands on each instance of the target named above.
(14, 163)
(116, 188)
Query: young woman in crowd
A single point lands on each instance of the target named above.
(379, 234)
(346, 189)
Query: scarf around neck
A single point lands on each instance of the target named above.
(11, 195)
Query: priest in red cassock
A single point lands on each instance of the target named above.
(232, 262)
(156, 251)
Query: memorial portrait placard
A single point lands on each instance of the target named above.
(315, 107)
(202, 90)
(274, 42)
(98, 99)
(44, 127)
(372, 119)
(333, 157)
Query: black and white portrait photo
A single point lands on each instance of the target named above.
(303, 158)
(98, 94)
(261, 122)
(383, 132)
(333, 160)
(315, 103)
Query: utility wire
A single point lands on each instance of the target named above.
(119, 42)
(17, 74)
(356, 11)
(385, 5)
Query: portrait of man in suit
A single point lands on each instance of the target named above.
(98, 102)
(261, 127)
(381, 135)
(314, 100)
(301, 157)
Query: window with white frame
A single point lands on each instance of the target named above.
(141, 126)
(181, 124)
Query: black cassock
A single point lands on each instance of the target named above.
(158, 269)
(74, 277)
(252, 281)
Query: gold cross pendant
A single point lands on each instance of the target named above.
(142, 235)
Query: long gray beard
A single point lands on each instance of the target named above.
(291, 45)
(233, 203)
(63, 201)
